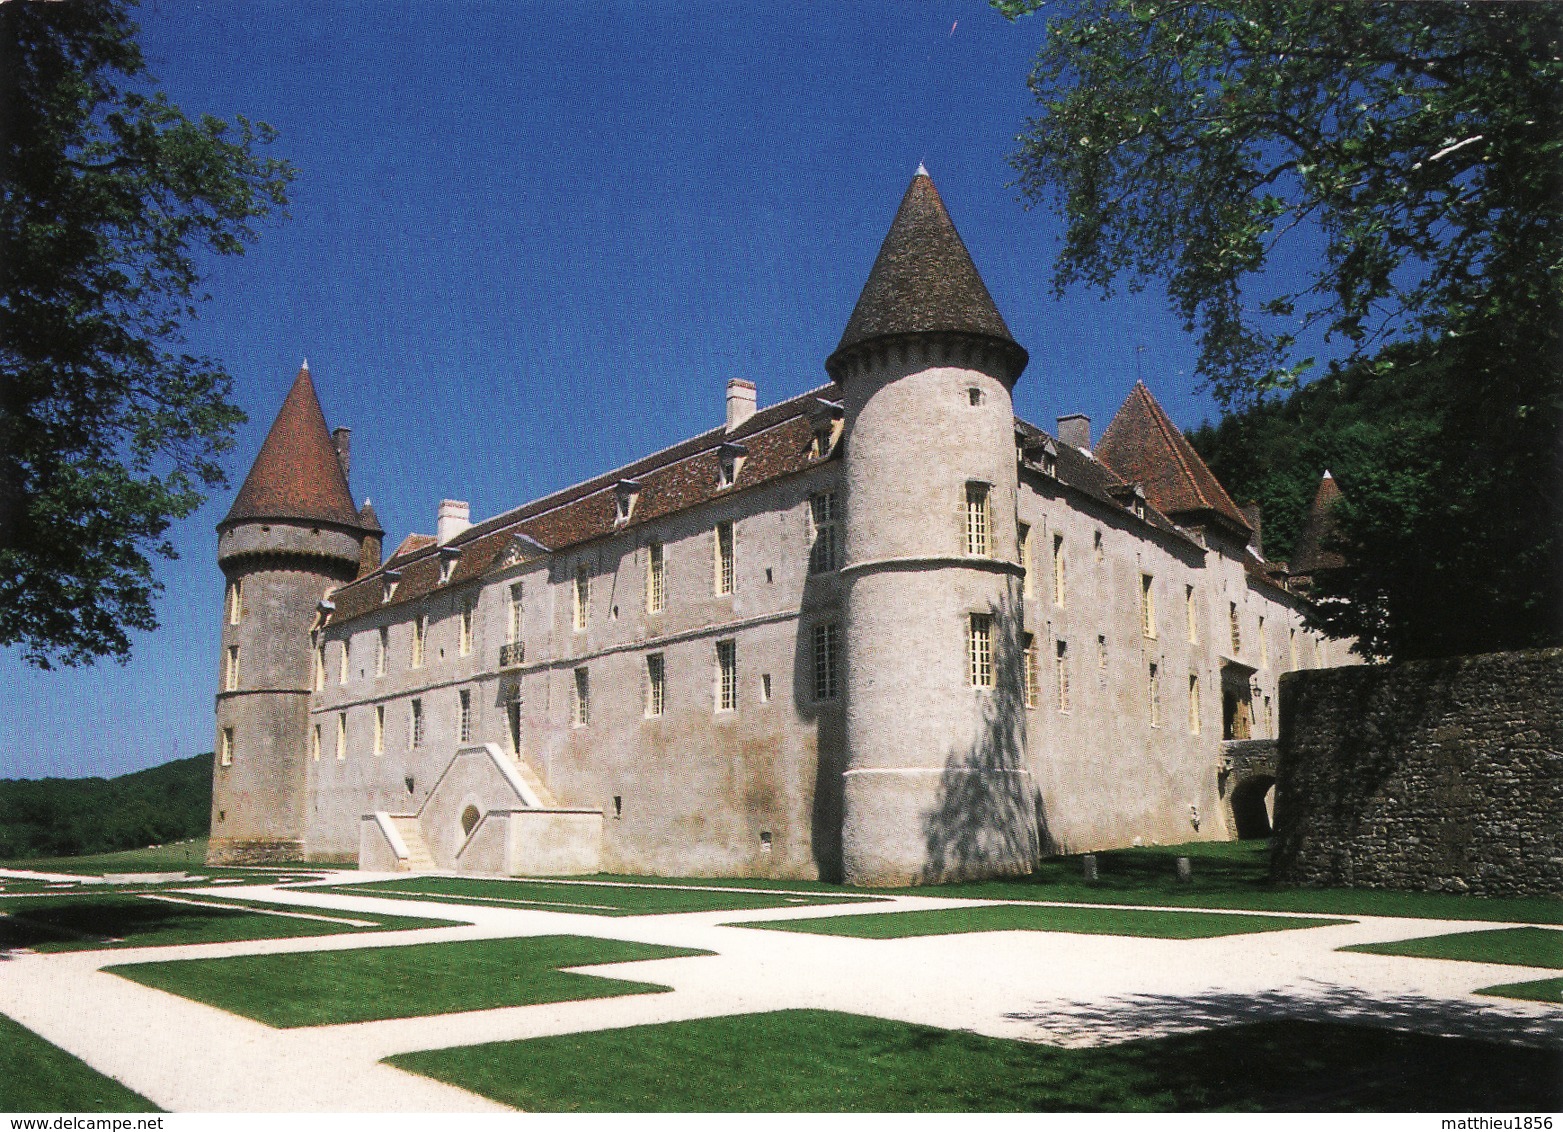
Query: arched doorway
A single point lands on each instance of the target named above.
(1253, 806)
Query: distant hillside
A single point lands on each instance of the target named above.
(60, 817)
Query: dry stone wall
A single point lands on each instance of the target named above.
(1439, 775)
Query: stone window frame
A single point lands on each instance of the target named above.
(231, 669)
(724, 538)
(1030, 659)
(727, 675)
(1147, 605)
(235, 601)
(824, 525)
(826, 650)
(656, 684)
(341, 736)
(379, 729)
(656, 577)
(464, 715)
(1060, 575)
(1061, 675)
(417, 725)
(225, 746)
(979, 519)
(581, 698)
(581, 597)
(465, 616)
(979, 651)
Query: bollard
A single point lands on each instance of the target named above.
(1185, 870)
(1088, 867)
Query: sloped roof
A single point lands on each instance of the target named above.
(923, 280)
(297, 474)
(368, 520)
(1142, 444)
(1310, 555)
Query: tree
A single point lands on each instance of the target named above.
(1388, 175)
(109, 431)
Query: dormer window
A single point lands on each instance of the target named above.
(731, 459)
(826, 418)
(625, 495)
(449, 556)
(388, 583)
(1043, 453)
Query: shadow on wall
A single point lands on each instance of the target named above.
(989, 818)
(822, 606)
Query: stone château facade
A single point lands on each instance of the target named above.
(883, 632)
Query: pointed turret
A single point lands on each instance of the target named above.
(298, 474)
(1311, 554)
(1143, 445)
(923, 282)
(374, 540)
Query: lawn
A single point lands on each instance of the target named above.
(591, 899)
(185, 856)
(1048, 918)
(41, 1077)
(323, 988)
(821, 1061)
(1542, 990)
(1523, 947)
(127, 919)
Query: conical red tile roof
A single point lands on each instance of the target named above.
(923, 280)
(297, 474)
(1143, 444)
(1309, 556)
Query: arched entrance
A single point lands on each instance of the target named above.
(1253, 806)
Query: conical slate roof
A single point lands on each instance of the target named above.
(1143, 444)
(297, 474)
(368, 520)
(1309, 556)
(923, 280)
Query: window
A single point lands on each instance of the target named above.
(1154, 689)
(379, 729)
(513, 716)
(625, 495)
(235, 602)
(1237, 630)
(977, 519)
(1264, 660)
(388, 587)
(724, 557)
(825, 531)
(731, 459)
(1147, 606)
(974, 396)
(1096, 546)
(314, 743)
(1061, 656)
(1291, 646)
(417, 723)
(1193, 704)
(382, 646)
(464, 636)
(726, 675)
(320, 667)
(1033, 690)
(583, 595)
(225, 746)
(656, 683)
(513, 623)
(1101, 654)
(581, 707)
(827, 661)
(231, 672)
(341, 736)
(824, 440)
(765, 687)
(1191, 615)
(979, 650)
(1023, 542)
(656, 578)
(344, 660)
(464, 717)
(1058, 571)
(420, 633)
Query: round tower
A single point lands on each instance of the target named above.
(291, 534)
(936, 786)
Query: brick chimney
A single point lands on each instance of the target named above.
(454, 517)
(741, 400)
(1075, 429)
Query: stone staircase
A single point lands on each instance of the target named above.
(419, 859)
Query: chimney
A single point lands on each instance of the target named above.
(1250, 512)
(741, 399)
(342, 441)
(454, 518)
(1075, 429)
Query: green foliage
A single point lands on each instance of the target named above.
(42, 1077)
(1043, 918)
(1523, 947)
(70, 816)
(109, 196)
(823, 1061)
(325, 988)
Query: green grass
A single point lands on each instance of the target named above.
(1523, 947)
(1227, 874)
(321, 988)
(186, 855)
(821, 1061)
(124, 919)
(1020, 917)
(591, 899)
(1542, 990)
(41, 1077)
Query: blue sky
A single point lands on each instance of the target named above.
(532, 241)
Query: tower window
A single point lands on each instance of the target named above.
(825, 533)
(1291, 646)
(1096, 546)
(344, 660)
(341, 736)
(1061, 657)
(1193, 704)
(225, 746)
(417, 723)
(1101, 654)
(314, 743)
(420, 633)
(1264, 660)
(1154, 689)
(231, 672)
(826, 661)
(724, 557)
(979, 650)
(235, 601)
(382, 646)
(1033, 691)
(583, 595)
(1191, 614)
(1236, 628)
(379, 729)
(513, 629)
(726, 675)
(977, 524)
(1147, 606)
(464, 717)
(464, 641)
(656, 578)
(320, 667)
(581, 708)
(1023, 543)
(1059, 582)
(973, 396)
(656, 684)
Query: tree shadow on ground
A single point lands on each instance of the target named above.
(95, 921)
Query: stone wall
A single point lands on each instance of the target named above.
(1439, 775)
